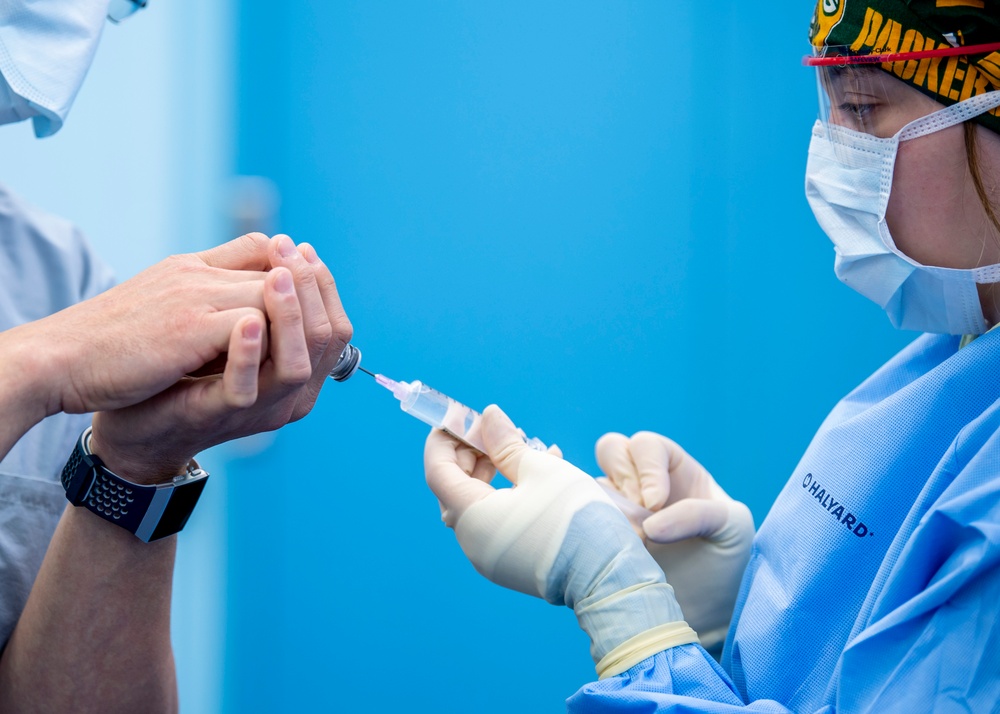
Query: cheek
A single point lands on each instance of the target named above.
(926, 203)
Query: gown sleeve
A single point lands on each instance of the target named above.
(929, 643)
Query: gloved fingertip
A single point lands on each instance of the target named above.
(653, 497)
(497, 426)
(502, 441)
(658, 531)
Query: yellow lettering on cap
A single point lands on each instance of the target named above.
(869, 30)
(912, 41)
(975, 83)
(888, 38)
(961, 3)
(927, 70)
(950, 70)
(990, 66)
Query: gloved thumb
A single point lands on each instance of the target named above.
(687, 518)
(503, 441)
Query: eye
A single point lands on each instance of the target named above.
(858, 112)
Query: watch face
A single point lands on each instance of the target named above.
(182, 502)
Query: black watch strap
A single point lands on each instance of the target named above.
(150, 512)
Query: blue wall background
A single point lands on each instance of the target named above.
(589, 212)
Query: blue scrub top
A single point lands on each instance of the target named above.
(45, 265)
(873, 584)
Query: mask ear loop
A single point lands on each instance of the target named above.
(950, 116)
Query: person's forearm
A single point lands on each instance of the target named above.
(95, 633)
(24, 398)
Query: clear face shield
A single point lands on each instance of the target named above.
(867, 93)
(867, 99)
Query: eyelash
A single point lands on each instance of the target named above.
(858, 111)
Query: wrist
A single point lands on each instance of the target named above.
(138, 465)
(149, 511)
(619, 595)
(26, 386)
(613, 618)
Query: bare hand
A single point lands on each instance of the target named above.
(142, 336)
(153, 441)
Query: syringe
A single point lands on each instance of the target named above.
(428, 405)
(441, 412)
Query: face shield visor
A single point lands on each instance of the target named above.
(876, 94)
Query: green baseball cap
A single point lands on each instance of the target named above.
(947, 49)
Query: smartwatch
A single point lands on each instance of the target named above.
(149, 512)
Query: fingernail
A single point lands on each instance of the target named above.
(286, 248)
(310, 253)
(251, 331)
(283, 283)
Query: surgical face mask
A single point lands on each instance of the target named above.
(46, 49)
(848, 180)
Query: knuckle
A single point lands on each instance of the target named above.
(295, 373)
(507, 453)
(322, 335)
(240, 399)
(612, 438)
(290, 308)
(343, 330)
(645, 436)
(252, 243)
(181, 264)
(650, 442)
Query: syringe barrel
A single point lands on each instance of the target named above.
(442, 412)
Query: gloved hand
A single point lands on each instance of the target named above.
(698, 534)
(556, 535)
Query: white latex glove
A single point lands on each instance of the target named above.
(556, 535)
(698, 534)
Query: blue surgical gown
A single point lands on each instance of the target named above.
(873, 583)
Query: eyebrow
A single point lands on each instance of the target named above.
(852, 79)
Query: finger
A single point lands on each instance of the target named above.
(466, 458)
(484, 470)
(246, 292)
(686, 478)
(239, 379)
(314, 318)
(503, 442)
(613, 457)
(342, 329)
(651, 454)
(331, 298)
(635, 513)
(290, 366)
(453, 487)
(218, 328)
(247, 252)
(474, 463)
(688, 518)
